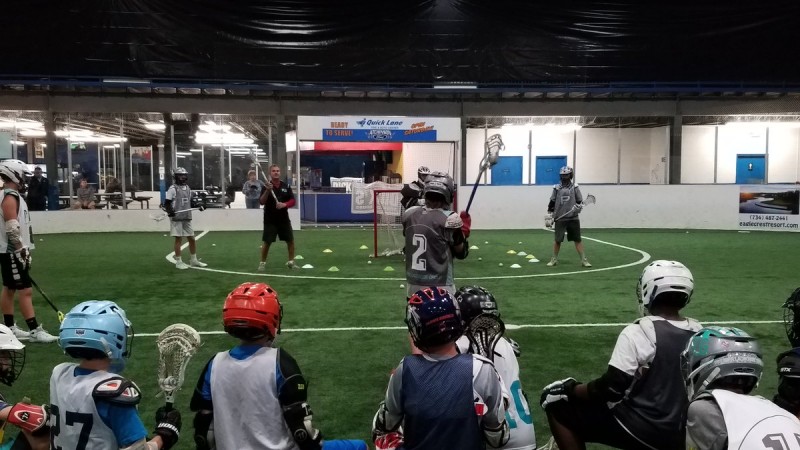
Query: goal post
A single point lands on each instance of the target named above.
(387, 222)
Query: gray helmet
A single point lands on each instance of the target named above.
(181, 175)
(721, 355)
(440, 183)
(565, 174)
(423, 172)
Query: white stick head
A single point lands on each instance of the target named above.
(176, 345)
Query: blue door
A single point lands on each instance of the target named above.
(750, 169)
(547, 168)
(507, 171)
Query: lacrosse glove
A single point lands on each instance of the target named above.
(466, 223)
(557, 391)
(23, 256)
(389, 441)
(168, 426)
(548, 220)
(579, 206)
(28, 417)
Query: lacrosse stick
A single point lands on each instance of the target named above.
(791, 318)
(158, 217)
(484, 332)
(176, 345)
(50, 302)
(589, 200)
(255, 160)
(494, 145)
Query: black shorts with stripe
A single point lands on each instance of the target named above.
(14, 275)
(277, 230)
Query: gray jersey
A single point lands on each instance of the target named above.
(565, 198)
(181, 196)
(429, 258)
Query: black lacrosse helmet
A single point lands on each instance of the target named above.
(791, 318)
(474, 301)
(788, 395)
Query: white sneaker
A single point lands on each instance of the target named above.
(197, 263)
(40, 335)
(553, 262)
(179, 264)
(290, 264)
(262, 266)
(19, 332)
(586, 263)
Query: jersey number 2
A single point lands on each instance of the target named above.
(420, 244)
(72, 419)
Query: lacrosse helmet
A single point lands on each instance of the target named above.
(433, 318)
(788, 396)
(423, 172)
(565, 175)
(12, 356)
(180, 175)
(721, 357)
(474, 301)
(15, 171)
(791, 317)
(439, 184)
(97, 328)
(665, 280)
(252, 311)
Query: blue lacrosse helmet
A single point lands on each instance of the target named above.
(433, 318)
(97, 326)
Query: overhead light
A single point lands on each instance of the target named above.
(126, 81)
(17, 143)
(21, 123)
(455, 85)
(155, 126)
(183, 153)
(744, 124)
(211, 126)
(222, 138)
(33, 133)
(196, 150)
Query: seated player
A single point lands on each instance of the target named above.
(255, 380)
(91, 405)
(643, 382)
(788, 395)
(473, 302)
(440, 399)
(722, 366)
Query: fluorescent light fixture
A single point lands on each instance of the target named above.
(762, 125)
(33, 133)
(108, 146)
(212, 127)
(17, 143)
(126, 81)
(180, 156)
(196, 150)
(183, 153)
(155, 126)
(222, 138)
(20, 124)
(455, 85)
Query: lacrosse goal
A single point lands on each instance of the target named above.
(387, 222)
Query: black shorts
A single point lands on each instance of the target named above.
(594, 422)
(14, 276)
(279, 230)
(572, 228)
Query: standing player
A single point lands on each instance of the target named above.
(412, 192)
(474, 301)
(434, 236)
(16, 243)
(643, 382)
(566, 202)
(255, 380)
(91, 405)
(177, 204)
(441, 399)
(722, 366)
(277, 198)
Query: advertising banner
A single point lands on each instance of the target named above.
(769, 207)
(378, 129)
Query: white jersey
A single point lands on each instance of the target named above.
(242, 390)
(69, 427)
(636, 344)
(24, 219)
(765, 425)
(518, 415)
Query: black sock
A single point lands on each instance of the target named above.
(32, 323)
(8, 319)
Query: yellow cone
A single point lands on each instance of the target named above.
(333, 269)
(363, 247)
(512, 252)
(327, 250)
(388, 269)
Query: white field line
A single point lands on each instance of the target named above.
(508, 326)
(171, 255)
(644, 258)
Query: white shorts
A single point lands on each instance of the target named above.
(181, 228)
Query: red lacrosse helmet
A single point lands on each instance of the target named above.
(252, 311)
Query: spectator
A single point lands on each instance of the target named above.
(84, 196)
(38, 188)
(16, 244)
(277, 198)
(252, 189)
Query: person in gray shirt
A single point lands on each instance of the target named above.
(440, 398)
(566, 202)
(252, 190)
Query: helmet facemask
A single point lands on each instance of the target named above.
(791, 318)
(11, 364)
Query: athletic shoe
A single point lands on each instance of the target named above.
(40, 335)
(586, 263)
(181, 265)
(553, 262)
(196, 263)
(290, 264)
(19, 332)
(262, 266)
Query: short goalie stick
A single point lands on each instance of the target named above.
(484, 332)
(49, 301)
(589, 200)
(176, 346)
(494, 145)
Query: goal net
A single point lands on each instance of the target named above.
(387, 222)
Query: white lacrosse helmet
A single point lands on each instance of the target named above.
(12, 353)
(662, 276)
(15, 170)
(566, 170)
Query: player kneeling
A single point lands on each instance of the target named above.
(91, 406)
(255, 380)
(440, 399)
